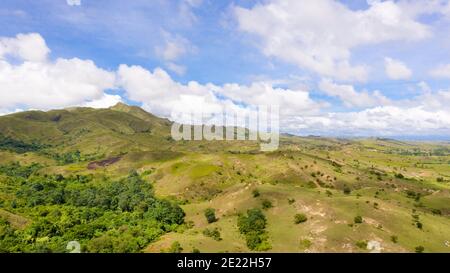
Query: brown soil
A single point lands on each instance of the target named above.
(103, 163)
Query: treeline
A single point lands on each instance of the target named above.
(102, 215)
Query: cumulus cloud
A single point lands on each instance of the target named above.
(73, 2)
(352, 98)
(319, 35)
(161, 95)
(396, 70)
(31, 80)
(27, 47)
(105, 101)
(442, 71)
(380, 121)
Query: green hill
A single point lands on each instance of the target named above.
(114, 180)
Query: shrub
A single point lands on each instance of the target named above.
(255, 193)
(300, 218)
(394, 239)
(213, 233)
(210, 215)
(305, 243)
(291, 201)
(436, 211)
(419, 249)
(440, 179)
(362, 244)
(347, 190)
(399, 176)
(175, 247)
(266, 204)
(419, 225)
(358, 220)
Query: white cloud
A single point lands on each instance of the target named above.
(73, 2)
(162, 95)
(173, 48)
(350, 97)
(33, 81)
(27, 47)
(380, 121)
(178, 69)
(442, 71)
(319, 35)
(424, 87)
(396, 70)
(425, 115)
(105, 101)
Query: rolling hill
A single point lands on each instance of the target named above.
(114, 180)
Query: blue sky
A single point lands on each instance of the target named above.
(353, 67)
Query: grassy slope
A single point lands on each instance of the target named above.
(206, 174)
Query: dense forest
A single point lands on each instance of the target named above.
(103, 215)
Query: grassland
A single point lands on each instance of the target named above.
(401, 190)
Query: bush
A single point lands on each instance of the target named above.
(419, 225)
(358, 220)
(213, 233)
(419, 249)
(291, 201)
(399, 176)
(362, 244)
(347, 190)
(175, 247)
(394, 239)
(255, 193)
(440, 179)
(300, 218)
(210, 215)
(436, 211)
(266, 204)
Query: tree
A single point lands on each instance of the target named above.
(210, 215)
(253, 227)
